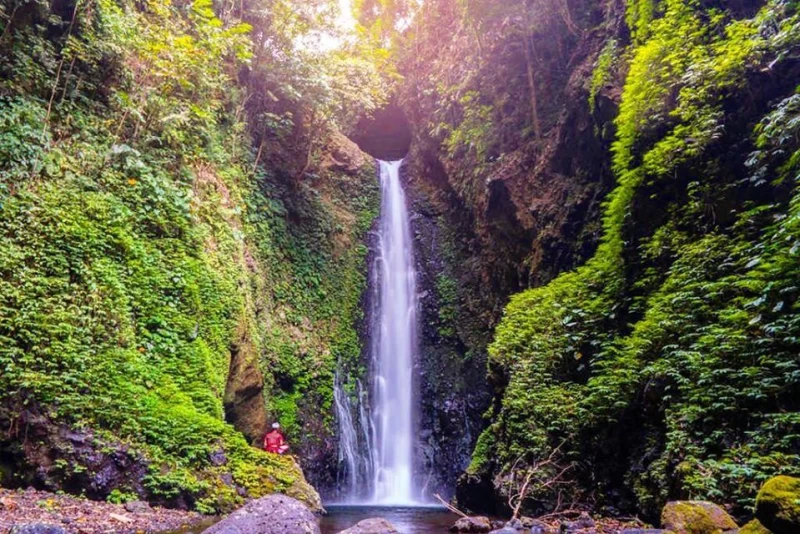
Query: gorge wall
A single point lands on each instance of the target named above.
(182, 252)
(497, 208)
(647, 151)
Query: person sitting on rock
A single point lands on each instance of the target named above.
(274, 441)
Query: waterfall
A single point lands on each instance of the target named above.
(376, 435)
(394, 346)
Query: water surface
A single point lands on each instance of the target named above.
(407, 520)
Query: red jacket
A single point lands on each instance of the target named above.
(274, 442)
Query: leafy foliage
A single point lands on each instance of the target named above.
(142, 237)
(667, 363)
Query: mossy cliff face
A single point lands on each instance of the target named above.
(163, 281)
(665, 366)
(497, 207)
(652, 149)
(317, 275)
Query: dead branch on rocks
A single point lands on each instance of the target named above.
(449, 506)
(547, 474)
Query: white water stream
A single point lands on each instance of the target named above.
(393, 353)
(380, 454)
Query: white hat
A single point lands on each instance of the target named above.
(276, 425)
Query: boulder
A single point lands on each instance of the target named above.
(275, 514)
(696, 517)
(472, 524)
(584, 521)
(536, 526)
(754, 527)
(505, 530)
(37, 528)
(514, 524)
(137, 507)
(778, 505)
(371, 526)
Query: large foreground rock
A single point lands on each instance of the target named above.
(472, 524)
(696, 517)
(778, 505)
(275, 514)
(371, 526)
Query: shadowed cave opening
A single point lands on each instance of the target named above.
(386, 135)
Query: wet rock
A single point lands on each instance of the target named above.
(584, 521)
(472, 524)
(536, 526)
(778, 505)
(275, 514)
(505, 530)
(514, 524)
(137, 507)
(375, 525)
(37, 528)
(696, 517)
(644, 531)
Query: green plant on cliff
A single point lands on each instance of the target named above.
(135, 251)
(681, 332)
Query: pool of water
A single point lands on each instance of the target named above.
(417, 520)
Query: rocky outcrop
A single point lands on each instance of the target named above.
(371, 526)
(778, 505)
(54, 457)
(276, 514)
(696, 517)
(244, 401)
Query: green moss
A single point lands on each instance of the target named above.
(693, 304)
(129, 230)
(778, 504)
(692, 517)
(754, 527)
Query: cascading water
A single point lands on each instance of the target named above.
(394, 334)
(376, 437)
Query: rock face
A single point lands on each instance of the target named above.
(386, 136)
(472, 524)
(778, 505)
(244, 390)
(276, 514)
(371, 526)
(35, 461)
(453, 389)
(696, 517)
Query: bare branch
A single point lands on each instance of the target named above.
(449, 506)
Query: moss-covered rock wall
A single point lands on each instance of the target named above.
(181, 261)
(665, 366)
